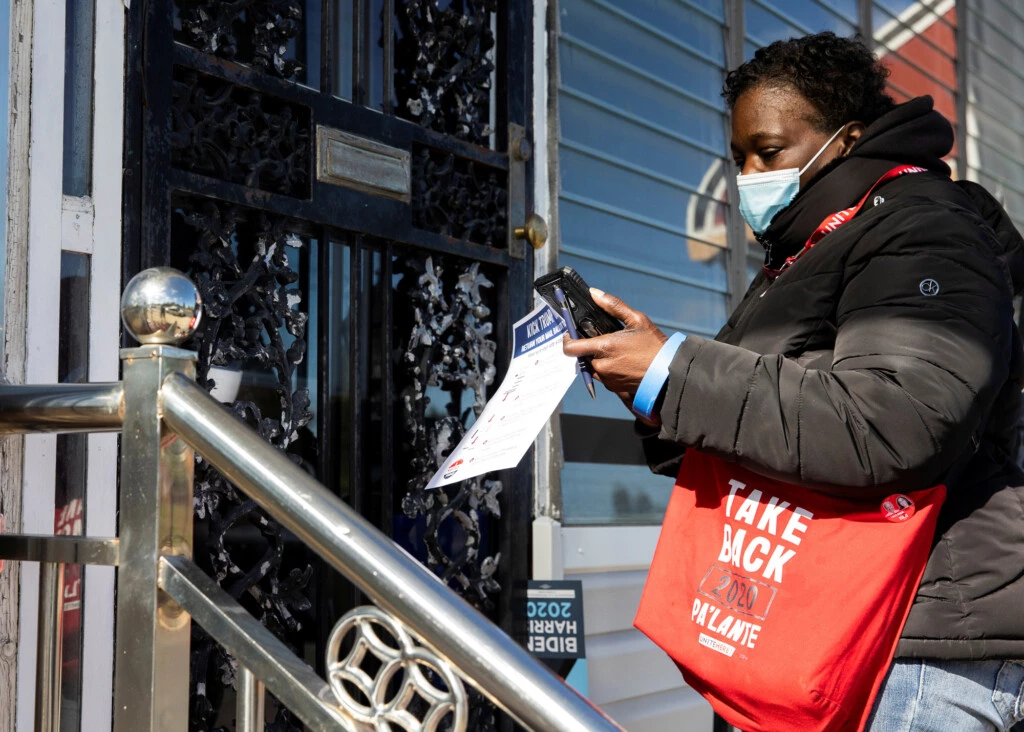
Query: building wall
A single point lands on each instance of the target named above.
(994, 60)
(628, 676)
(64, 93)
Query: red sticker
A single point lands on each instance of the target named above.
(898, 507)
(454, 468)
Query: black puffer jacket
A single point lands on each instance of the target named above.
(851, 375)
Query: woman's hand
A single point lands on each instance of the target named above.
(620, 359)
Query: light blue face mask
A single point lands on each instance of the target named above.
(762, 195)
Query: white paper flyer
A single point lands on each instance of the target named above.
(537, 379)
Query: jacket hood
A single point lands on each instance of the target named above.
(912, 133)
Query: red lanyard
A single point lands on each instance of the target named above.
(834, 221)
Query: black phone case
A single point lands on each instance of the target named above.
(590, 320)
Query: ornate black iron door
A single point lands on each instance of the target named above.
(336, 176)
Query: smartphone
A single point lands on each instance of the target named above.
(590, 320)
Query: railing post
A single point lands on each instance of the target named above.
(160, 307)
(249, 704)
(48, 654)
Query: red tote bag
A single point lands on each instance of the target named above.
(783, 606)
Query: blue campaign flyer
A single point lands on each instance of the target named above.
(536, 329)
(537, 379)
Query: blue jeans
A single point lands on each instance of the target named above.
(949, 696)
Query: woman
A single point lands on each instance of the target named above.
(875, 354)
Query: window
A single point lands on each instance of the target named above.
(780, 19)
(643, 209)
(78, 63)
(70, 489)
(995, 108)
(918, 45)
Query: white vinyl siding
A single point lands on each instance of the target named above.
(628, 676)
(995, 100)
(642, 142)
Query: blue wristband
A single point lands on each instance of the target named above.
(656, 376)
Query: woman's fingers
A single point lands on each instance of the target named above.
(620, 359)
(583, 347)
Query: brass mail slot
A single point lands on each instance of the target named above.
(363, 164)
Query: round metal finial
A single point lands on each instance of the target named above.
(161, 306)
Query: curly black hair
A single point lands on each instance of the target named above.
(840, 77)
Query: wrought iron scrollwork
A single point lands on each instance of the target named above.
(443, 66)
(459, 198)
(239, 135)
(255, 32)
(239, 260)
(398, 682)
(448, 347)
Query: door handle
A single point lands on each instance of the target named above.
(535, 231)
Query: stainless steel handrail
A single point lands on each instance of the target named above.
(487, 657)
(60, 549)
(61, 408)
(165, 416)
(484, 655)
(49, 663)
(293, 682)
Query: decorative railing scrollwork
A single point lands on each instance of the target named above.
(242, 263)
(449, 346)
(239, 135)
(255, 32)
(407, 685)
(444, 65)
(459, 198)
